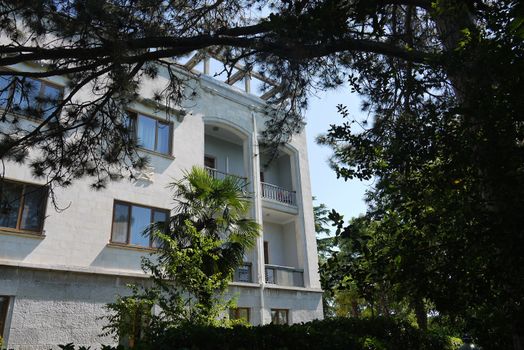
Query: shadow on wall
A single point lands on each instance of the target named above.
(17, 248)
(121, 259)
(158, 165)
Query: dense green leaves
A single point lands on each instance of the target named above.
(198, 249)
(329, 334)
(445, 213)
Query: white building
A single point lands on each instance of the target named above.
(59, 269)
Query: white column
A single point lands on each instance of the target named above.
(257, 209)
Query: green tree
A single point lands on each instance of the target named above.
(198, 250)
(394, 51)
(325, 248)
(442, 82)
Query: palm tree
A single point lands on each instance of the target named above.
(216, 209)
(201, 244)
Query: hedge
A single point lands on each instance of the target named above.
(332, 334)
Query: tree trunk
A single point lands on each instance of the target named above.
(420, 313)
(518, 337)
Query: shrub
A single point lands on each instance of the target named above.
(332, 334)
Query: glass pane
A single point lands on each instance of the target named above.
(209, 162)
(120, 223)
(140, 220)
(27, 100)
(10, 195)
(279, 316)
(162, 145)
(159, 217)
(283, 317)
(241, 313)
(4, 90)
(146, 132)
(243, 273)
(274, 316)
(50, 100)
(33, 210)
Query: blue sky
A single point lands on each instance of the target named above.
(345, 197)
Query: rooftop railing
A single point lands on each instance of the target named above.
(279, 194)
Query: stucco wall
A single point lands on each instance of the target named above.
(229, 157)
(76, 239)
(56, 307)
(282, 244)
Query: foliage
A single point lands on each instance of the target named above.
(338, 333)
(442, 82)
(446, 154)
(332, 334)
(198, 249)
(325, 244)
(108, 49)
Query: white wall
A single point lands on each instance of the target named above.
(278, 172)
(77, 239)
(282, 244)
(229, 157)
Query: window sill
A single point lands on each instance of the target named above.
(163, 155)
(135, 248)
(21, 233)
(244, 284)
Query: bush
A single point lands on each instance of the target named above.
(332, 334)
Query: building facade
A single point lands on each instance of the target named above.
(58, 269)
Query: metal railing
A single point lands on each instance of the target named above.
(221, 175)
(279, 194)
(284, 276)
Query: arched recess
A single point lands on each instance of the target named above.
(227, 147)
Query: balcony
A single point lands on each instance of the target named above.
(284, 276)
(279, 194)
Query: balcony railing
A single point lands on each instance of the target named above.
(284, 276)
(279, 194)
(217, 174)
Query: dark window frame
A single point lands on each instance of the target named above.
(234, 313)
(128, 233)
(41, 91)
(134, 114)
(21, 208)
(266, 252)
(280, 310)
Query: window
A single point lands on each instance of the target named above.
(243, 273)
(239, 313)
(210, 162)
(151, 134)
(279, 316)
(266, 252)
(22, 206)
(39, 98)
(131, 220)
(4, 304)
